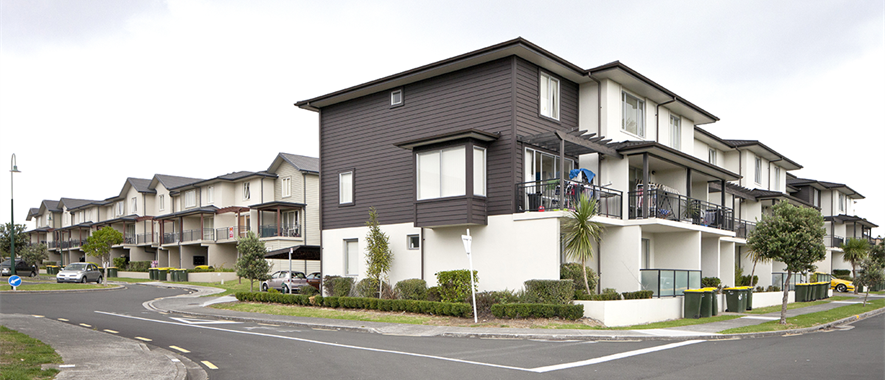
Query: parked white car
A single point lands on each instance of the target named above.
(79, 272)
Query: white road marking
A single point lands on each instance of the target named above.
(38, 316)
(195, 321)
(85, 325)
(63, 320)
(111, 331)
(144, 339)
(67, 366)
(762, 318)
(535, 370)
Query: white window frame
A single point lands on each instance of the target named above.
(530, 164)
(247, 191)
(351, 263)
(393, 98)
(758, 174)
(640, 126)
(480, 171)
(440, 175)
(162, 202)
(346, 190)
(190, 198)
(842, 202)
(777, 178)
(675, 132)
(210, 195)
(286, 185)
(711, 156)
(120, 208)
(409, 242)
(134, 204)
(549, 95)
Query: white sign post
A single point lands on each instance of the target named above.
(467, 240)
(290, 270)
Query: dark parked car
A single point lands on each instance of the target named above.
(21, 268)
(283, 281)
(314, 279)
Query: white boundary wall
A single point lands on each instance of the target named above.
(633, 312)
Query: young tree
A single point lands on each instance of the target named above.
(6, 235)
(580, 233)
(877, 252)
(757, 257)
(792, 235)
(252, 264)
(378, 254)
(34, 254)
(855, 250)
(99, 245)
(870, 275)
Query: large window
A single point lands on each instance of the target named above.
(758, 170)
(345, 188)
(541, 166)
(549, 96)
(247, 191)
(133, 203)
(441, 173)
(675, 132)
(287, 187)
(633, 110)
(120, 206)
(351, 257)
(190, 198)
(842, 202)
(815, 200)
(711, 156)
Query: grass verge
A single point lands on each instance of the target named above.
(53, 286)
(314, 312)
(811, 319)
(790, 306)
(230, 287)
(21, 356)
(656, 325)
(128, 280)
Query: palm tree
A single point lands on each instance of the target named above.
(854, 251)
(580, 233)
(757, 257)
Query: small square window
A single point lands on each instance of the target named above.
(396, 98)
(414, 241)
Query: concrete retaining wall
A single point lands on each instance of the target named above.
(211, 276)
(633, 312)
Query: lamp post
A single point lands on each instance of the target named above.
(13, 168)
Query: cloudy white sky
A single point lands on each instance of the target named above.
(92, 92)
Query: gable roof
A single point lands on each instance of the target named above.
(301, 163)
(764, 151)
(32, 212)
(824, 185)
(171, 181)
(140, 185)
(73, 203)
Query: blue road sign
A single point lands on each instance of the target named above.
(15, 281)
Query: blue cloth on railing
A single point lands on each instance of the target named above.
(588, 175)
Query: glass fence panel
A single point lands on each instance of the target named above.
(668, 283)
(649, 281)
(694, 280)
(681, 282)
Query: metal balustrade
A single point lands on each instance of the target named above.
(284, 231)
(545, 196)
(665, 205)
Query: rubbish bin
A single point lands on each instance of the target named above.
(161, 274)
(112, 272)
(801, 293)
(734, 299)
(152, 273)
(715, 298)
(707, 303)
(50, 269)
(182, 275)
(749, 297)
(691, 303)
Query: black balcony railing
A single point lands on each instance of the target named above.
(209, 234)
(545, 196)
(231, 233)
(191, 235)
(834, 241)
(742, 228)
(129, 239)
(146, 238)
(285, 230)
(665, 205)
(171, 237)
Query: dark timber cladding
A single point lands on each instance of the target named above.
(360, 134)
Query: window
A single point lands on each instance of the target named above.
(711, 156)
(815, 200)
(413, 241)
(841, 202)
(758, 170)
(777, 178)
(351, 257)
(540, 166)
(133, 204)
(246, 191)
(479, 171)
(396, 98)
(633, 119)
(120, 208)
(675, 132)
(190, 198)
(287, 187)
(441, 173)
(162, 202)
(549, 96)
(345, 188)
(210, 195)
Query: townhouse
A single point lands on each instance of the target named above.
(504, 139)
(185, 222)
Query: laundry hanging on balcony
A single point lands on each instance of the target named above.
(662, 206)
(581, 175)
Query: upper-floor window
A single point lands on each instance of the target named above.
(120, 206)
(549, 96)
(345, 187)
(675, 132)
(286, 183)
(758, 176)
(396, 98)
(247, 194)
(162, 202)
(133, 204)
(777, 178)
(842, 202)
(711, 156)
(413, 241)
(541, 166)
(210, 195)
(190, 198)
(479, 171)
(815, 197)
(441, 173)
(633, 114)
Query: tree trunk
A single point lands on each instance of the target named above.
(865, 296)
(752, 273)
(783, 320)
(251, 283)
(586, 283)
(854, 276)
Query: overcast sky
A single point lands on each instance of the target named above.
(92, 92)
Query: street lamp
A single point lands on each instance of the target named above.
(13, 168)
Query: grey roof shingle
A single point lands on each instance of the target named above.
(171, 181)
(72, 203)
(305, 163)
(141, 185)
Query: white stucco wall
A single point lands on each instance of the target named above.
(620, 258)
(726, 262)
(678, 250)
(633, 312)
(710, 257)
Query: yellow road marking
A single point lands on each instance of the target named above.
(144, 339)
(38, 316)
(179, 349)
(208, 364)
(85, 325)
(62, 319)
(112, 331)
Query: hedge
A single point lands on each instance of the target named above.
(559, 292)
(454, 285)
(411, 306)
(287, 299)
(412, 289)
(638, 295)
(536, 310)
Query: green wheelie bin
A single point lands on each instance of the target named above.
(691, 303)
(801, 293)
(112, 271)
(707, 303)
(182, 275)
(152, 273)
(161, 273)
(733, 297)
(749, 297)
(715, 298)
(173, 274)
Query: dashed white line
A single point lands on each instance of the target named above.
(85, 325)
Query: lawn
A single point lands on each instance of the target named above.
(22, 356)
(54, 286)
(790, 306)
(656, 325)
(230, 287)
(315, 312)
(812, 319)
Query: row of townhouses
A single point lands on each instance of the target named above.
(493, 141)
(185, 222)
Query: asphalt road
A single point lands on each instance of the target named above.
(255, 351)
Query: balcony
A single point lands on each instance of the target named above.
(743, 228)
(231, 233)
(146, 238)
(171, 237)
(129, 239)
(834, 241)
(669, 282)
(665, 205)
(191, 235)
(285, 231)
(545, 196)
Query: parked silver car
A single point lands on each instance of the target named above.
(283, 281)
(79, 272)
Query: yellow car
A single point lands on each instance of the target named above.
(841, 285)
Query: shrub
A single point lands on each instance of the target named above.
(121, 262)
(639, 295)
(841, 272)
(573, 271)
(139, 266)
(760, 289)
(710, 282)
(745, 280)
(308, 290)
(485, 300)
(328, 283)
(338, 286)
(605, 297)
(209, 270)
(537, 310)
(558, 292)
(433, 294)
(454, 285)
(773, 288)
(412, 289)
(272, 290)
